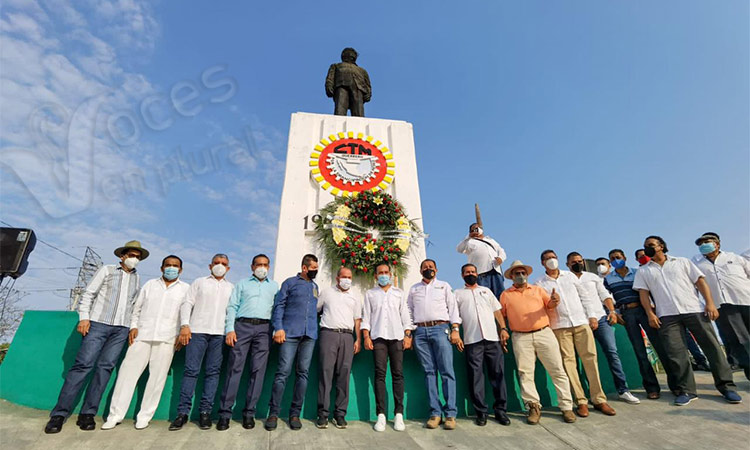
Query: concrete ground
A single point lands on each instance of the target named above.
(707, 423)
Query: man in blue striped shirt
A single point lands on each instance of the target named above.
(620, 283)
(104, 318)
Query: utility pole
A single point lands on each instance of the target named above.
(91, 262)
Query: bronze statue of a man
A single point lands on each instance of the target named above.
(349, 85)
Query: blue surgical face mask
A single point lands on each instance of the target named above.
(707, 247)
(171, 273)
(384, 280)
(618, 263)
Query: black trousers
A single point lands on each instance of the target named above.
(478, 356)
(672, 335)
(734, 325)
(385, 350)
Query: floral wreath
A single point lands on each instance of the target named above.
(366, 229)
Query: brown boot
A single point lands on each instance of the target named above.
(568, 416)
(433, 423)
(583, 410)
(450, 423)
(534, 414)
(605, 409)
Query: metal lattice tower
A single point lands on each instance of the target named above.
(91, 262)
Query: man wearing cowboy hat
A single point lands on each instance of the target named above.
(526, 307)
(728, 277)
(104, 312)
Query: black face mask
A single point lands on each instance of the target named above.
(577, 267)
(649, 251)
(428, 274)
(471, 280)
(311, 274)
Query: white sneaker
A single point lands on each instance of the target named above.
(627, 397)
(109, 424)
(398, 422)
(141, 425)
(380, 424)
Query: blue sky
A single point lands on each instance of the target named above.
(576, 125)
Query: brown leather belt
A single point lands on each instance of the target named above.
(431, 323)
(534, 331)
(631, 305)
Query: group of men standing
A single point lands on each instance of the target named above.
(556, 320)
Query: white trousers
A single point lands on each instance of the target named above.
(543, 345)
(158, 357)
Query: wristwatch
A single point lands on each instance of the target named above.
(455, 329)
(504, 329)
(407, 333)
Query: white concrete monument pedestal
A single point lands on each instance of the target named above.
(306, 192)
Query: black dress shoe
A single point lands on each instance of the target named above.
(340, 422)
(178, 422)
(86, 422)
(204, 421)
(222, 424)
(54, 425)
(481, 419)
(271, 423)
(248, 422)
(294, 423)
(502, 417)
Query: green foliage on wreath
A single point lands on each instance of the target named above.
(363, 231)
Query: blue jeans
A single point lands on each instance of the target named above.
(301, 347)
(605, 336)
(435, 353)
(210, 346)
(102, 346)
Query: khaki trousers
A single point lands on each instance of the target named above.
(581, 339)
(158, 357)
(542, 344)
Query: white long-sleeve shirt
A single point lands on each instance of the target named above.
(575, 307)
(386, 314)
(480, 254)
(109, 296)
(433, 301)
(728, 277)
(672, 286)
(205, 306)
(156, 313)
(594, 287)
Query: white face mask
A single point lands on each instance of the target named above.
(219, 270)
(260, 273)
(131, 262)
(552, 264)
(345, 283)
(602, 269)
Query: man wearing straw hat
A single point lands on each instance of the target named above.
(104, 316)
(526, 306)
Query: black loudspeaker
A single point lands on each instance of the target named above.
(15, 246)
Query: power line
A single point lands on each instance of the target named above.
(48, 244)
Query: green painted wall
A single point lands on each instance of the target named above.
(46, 343)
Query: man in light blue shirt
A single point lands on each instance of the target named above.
(248, 329)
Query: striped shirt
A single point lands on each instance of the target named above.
(622, 287)
(109, 296)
